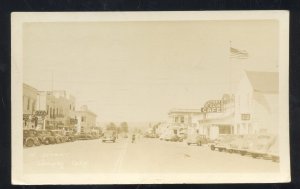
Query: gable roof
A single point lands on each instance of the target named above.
(264, 82)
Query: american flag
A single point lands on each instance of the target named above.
(238, 54)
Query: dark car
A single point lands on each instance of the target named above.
(45, 137)
(30, 138)
(58, 135)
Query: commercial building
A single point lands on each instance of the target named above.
(59, 108)
(86, 120)
(252, 109)
(29, 106)
(218, 117)
(182, 120)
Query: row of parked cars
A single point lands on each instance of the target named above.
(263, 145)
(32, 137)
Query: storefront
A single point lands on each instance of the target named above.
(218, 117)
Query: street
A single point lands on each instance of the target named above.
(143, 156)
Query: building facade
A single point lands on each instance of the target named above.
(29, 106)
(86, 120)
(59, 108)
(218, 117)
(256, 109)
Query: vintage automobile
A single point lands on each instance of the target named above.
(196, 139)
(176, 138)
(59, 136)
(109, 136)
(84, 136)
(222, 143)
(273, 152)
(45, 137)
(70, 136)
(245, 144)
(261, 145)
(30, 138)
(235, 144)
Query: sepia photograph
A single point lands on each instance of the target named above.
(150, 97)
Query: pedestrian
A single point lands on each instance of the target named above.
(133, 138)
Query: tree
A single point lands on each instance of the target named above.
(111, 126)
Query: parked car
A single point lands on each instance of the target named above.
(168, 137)
(45, 137)
(235, 144)
(70, 136)
(222, 142)
(246, 144)
(109, 136)
(83, 136)
(273, 152)
(261, 146)
(30, 138)
(176, 138)
(59, 136)
(196, 139)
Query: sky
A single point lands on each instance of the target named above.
(138, 71)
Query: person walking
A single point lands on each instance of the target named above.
(133, 138)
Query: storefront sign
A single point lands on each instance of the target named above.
(40, 113)
(213, 106)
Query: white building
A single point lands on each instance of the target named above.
(86, 120)
(59, 107)
(218, 117)
(256, 108)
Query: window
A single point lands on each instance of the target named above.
(181, 119)
(28, 104)
(47, 109)
(82, 119)
(33, 106)
(70, 107)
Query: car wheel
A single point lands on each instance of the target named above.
(47, 141)
(29, 143)
(188, 143)
(254, 155)
(38, 142)
(220, 149)
(242, 153)
(212, 147)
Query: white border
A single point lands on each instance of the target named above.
(17, 20)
